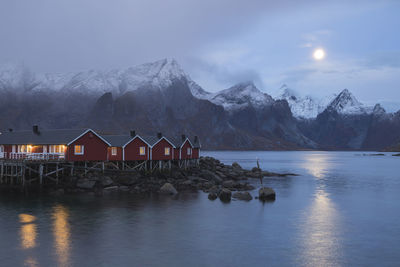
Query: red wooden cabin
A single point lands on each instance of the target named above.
(163, 149)
(89, 146)
(137, 148)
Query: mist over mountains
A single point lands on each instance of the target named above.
(160, 96)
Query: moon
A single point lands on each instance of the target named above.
(319, 54)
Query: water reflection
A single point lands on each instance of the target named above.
(61, 232)
(31, 262)
(28, 231)
(316, 164)
(321, 231)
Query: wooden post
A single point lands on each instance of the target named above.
(102, 166)
(169, 163)
(72, 169)
(57, 173)
(23, 175)
(160, 162)
(85, 168)
(2, 172)
(41, 174)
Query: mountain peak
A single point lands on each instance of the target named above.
(241, 95)
(347, 103)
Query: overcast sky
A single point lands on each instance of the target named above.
(217, 42)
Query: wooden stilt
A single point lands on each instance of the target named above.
(72, 169)
(41, 174)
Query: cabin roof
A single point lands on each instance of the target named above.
(117, 140)
(44, 137)
(151, 140)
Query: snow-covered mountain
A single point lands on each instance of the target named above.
(347, 103)
(157, 75)
(241, 95)
(306, 107)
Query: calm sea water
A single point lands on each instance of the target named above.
(343, 210)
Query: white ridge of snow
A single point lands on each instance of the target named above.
(346, 103)
(306, 107)
(156, 75)
(240, 96)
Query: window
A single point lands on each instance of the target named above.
(167, 151)
(45, 149)
(189, 151)
(79, 149)
(22, 149)
(142, 150)
(60, 149)
(14, 149)
(1, 148)
(113, 151)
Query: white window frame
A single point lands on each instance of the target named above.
(82, 151)
(167, 149)
(114, 151)
(1, 148)
(142, 150)
(189, 151)
(14, 148)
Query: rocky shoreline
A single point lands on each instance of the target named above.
(211, 176)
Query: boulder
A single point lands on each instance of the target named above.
(168, 189)
(110, 189)
(242, 196)
(106, 181)
(228, 184)
(236, 165)
(85, 183)
(225, 195)
(266, 193)
(211, 176)
(212, 196)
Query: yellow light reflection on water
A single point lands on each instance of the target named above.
(26, 218)
(321, 232)
(317, 164)
(31, 262)
(28, 236)
(61, 233)
(28, 231)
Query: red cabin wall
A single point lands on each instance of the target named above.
(176, 153)
(117, 157)
(95, 149)
(158, 151)
(7, 150)
(132, 150)
(184, 148)
(196, 153)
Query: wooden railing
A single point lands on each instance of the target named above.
(34, 156)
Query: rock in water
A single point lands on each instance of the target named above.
(212, 196)
(106, 181)
(236, 166)
(225, 195)
(168, 189)
(242, 196)
(266, 193)
(85, 184)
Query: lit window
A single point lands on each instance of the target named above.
(60, 149)
(189, 151)
(142, 150)
(79, 149)
(167, 151)
(113, 151)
